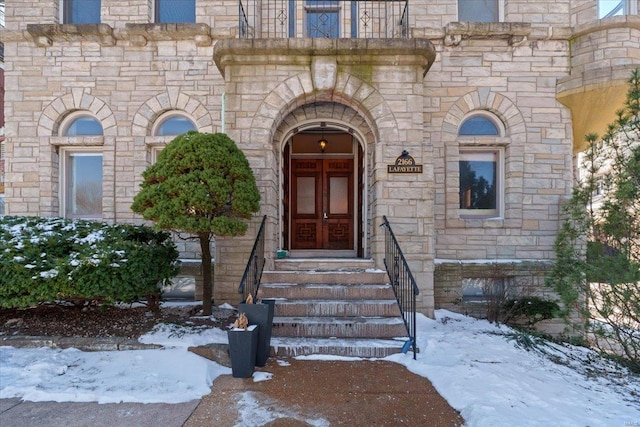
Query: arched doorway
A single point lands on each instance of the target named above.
(323, 191)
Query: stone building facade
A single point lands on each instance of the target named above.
(493, 112)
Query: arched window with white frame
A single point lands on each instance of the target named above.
(81, 168)
(481, 166)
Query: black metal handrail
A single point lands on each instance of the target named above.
(323, 19)
(255, 265)
(403, 284)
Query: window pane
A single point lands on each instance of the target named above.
(175, 125)
(82, 11)
(84, 185)
(478, 10)
(478, 180)
(306, 195)
(338, 195)
(607, 8)
(478, 125)
(175, 10)
(322, 24)
(84, 126)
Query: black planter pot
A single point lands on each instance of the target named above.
(243, 346)
(261, 315)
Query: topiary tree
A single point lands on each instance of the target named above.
(202, 185)
(598, 247)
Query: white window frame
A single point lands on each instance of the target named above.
(498, 211)
(65, 154)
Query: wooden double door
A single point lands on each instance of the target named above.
(322, 204)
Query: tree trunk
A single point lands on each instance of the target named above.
(207, 285)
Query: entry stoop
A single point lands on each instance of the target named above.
(337, 307)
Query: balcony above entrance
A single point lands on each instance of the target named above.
(323, 19)
(360, 53)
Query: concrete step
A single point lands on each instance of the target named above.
(328, 277)
(313, 291)
(339, 327)
(337, 308)
(349, 347)
(324, 264)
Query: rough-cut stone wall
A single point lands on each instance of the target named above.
(523, 279)
(516, 83)
(128, 71)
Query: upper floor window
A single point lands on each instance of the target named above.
(175, 11)
(81, 125)
(479, 10)
(81, 11)
(173, 124)
(323, 19)
(608, 8)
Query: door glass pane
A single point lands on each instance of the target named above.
(306, 197)
(338, 195)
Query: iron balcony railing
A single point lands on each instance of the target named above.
(403, 284)
(323, 19)
(255, 265)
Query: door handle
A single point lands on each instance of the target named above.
(324, 216)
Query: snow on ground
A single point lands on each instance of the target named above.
(484, 371)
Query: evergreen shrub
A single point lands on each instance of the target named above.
(45, 260)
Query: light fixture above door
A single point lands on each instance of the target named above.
(322, 142)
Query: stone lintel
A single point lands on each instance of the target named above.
(419, 52)
(200, 32)
(516, 32)
(46, 34)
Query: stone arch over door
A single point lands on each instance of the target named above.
(353, 101)
(334, 118)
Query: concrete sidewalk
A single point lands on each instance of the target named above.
(295, 393)
(16, 413)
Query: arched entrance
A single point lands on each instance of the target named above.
(323, 191)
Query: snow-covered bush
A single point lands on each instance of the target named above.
(54, 259)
